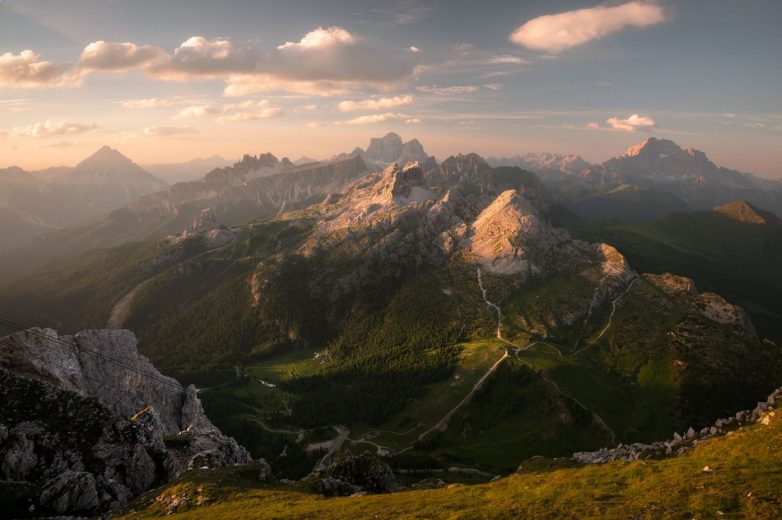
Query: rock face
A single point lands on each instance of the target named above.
(85, 418)
(390, 149)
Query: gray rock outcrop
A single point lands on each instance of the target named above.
(89, 423)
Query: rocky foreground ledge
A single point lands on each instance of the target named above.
(87, 423)
(680, 443)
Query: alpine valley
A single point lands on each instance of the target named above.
(384, 322)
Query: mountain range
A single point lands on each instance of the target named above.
(649, 181)
(366, 317)
(34, 203)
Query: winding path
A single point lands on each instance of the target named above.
(613, 307)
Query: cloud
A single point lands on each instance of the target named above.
(413, 121)
(320, 38)
(494, 86)
(315, 124)
(59, 144)
(632, 123)
(460, 89)
(311, 106)
(241, 85)
(506, 59)
(250, 111)
(169, 131)
(559, 32)
(52, 127)
(146, 103)
(27, 70)
(374, 118)
(375, 104)
(197, 111)
(593, 126)
(404, 12)
(415, 49)
(118, 57)
(325, 61)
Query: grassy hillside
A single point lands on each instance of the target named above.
(723, 253)
(735, 476)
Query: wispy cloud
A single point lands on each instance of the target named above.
(382, 103)
(559, 32)
(197, 111)
(374, 118)
(146, 103)
(632, 124)
(456, 89)
(52, 127)
(250, 111)
(169, 131)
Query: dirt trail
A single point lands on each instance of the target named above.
(119, 313)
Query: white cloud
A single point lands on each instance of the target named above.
(197, 111)
(169, 131)
(593, 126)
(459, 89)
(311, 106)
(559, 32)
(250, 111)
(375, 104)
(27, 70)
(413, 121)
(315, 124)
(320, 38)
(373, 118)
(145, 103)
(117, 57)
(241, 85)
(494, 86)
(415, 49)
(52, 127)
(506, 59)
(632, 123)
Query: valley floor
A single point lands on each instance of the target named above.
(738, 475)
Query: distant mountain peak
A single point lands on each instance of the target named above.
(105, 155)
(654, 146)
(743, 211)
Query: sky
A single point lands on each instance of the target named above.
(169, 81)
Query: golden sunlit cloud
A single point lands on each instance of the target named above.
(375, 104)
(118, 57)
(632, 123)
(250, 111)
(27, 70)
(559, 32)
(52, 127)
(373, 118)
(146, 103)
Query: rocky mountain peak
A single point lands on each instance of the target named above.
(386, 149)
(206, 220)
(653, 147)
(106, 156)
(402, 180)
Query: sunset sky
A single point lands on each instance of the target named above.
(168, 81)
